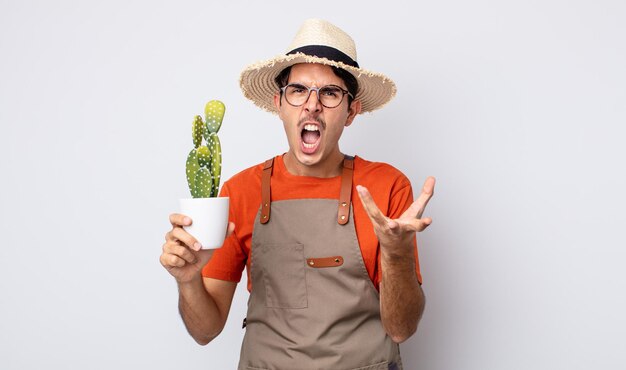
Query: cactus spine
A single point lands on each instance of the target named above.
(204, 162)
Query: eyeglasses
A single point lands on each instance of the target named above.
(330, 95)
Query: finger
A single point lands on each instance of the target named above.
(168, 236)
(372, 210)
(180, 251)
(186, 238)
(231, 229)
(177, 219)
(170, 260)
(428, 190)
(425, 222)
(416, 210)
(420, 224)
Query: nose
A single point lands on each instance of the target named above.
(312, 103)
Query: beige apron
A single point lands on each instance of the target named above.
(312, 304)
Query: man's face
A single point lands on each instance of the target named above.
(313, 131)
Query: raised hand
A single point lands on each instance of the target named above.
(394, 235)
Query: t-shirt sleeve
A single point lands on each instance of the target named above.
(228, 261)
(401, 198)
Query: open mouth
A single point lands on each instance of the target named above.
(310, 137)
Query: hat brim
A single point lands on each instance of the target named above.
(257, 81)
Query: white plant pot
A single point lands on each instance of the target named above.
(209, 220)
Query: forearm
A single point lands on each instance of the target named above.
(199, 311)
(401, 297)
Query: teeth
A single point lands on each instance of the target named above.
(311, 128)
(308, 146)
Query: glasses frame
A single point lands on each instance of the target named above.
(317, 93)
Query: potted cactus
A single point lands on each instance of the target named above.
(208, 212)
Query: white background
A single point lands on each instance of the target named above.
(517, 107)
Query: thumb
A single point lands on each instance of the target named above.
(230, 229)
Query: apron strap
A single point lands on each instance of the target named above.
(345, 195)
(266, 197)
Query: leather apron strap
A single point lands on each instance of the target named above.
(266, 195)
(345, 195)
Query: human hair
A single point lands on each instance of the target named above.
(352, 85)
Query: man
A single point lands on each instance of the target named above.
(334, 284)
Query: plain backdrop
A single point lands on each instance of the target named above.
(516, 107)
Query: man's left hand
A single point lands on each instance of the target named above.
(394, 235)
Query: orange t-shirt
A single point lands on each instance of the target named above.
(390, 189)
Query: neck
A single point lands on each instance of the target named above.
(328, 167)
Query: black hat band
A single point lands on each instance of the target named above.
(323, 51)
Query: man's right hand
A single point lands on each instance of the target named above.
(182, 254)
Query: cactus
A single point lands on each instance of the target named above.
(204, 162)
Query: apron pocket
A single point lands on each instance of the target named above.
(284, 275)
(380, 366)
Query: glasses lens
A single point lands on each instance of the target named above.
(296, 94)
(331, 96)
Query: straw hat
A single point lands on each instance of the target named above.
(317, 41)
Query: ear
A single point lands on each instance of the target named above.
(355, 108)
(277, 103)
